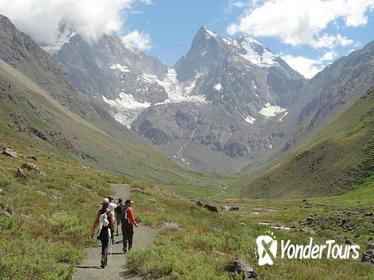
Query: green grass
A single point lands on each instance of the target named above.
(206, 243)
(106, 145)
(51, 213)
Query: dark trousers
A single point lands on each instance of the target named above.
(104, 251)
(104, 238)
(128, 234)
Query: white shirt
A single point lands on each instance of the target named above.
(112, 206)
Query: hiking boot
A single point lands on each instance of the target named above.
(103, 262)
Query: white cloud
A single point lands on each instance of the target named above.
(306, 66)
(329, 56)
(137, 41)
(302, 22)
(331, 41)
(309, 67)
(44, 19)
(147, 2)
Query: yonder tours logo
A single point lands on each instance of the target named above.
(268, 246)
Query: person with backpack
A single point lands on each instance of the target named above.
(118, 212)
(128, 222)
(104, 227)
(112, 207)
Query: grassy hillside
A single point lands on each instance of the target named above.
(338, 157)
(46, 216)
(195, 242)
(29, 109)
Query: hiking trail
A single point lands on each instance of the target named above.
(117, 269)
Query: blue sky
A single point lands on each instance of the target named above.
(172, 24)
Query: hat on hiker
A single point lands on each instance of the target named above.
(105, 201)
(129, 201)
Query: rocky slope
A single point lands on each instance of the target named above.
(336, 88)
(38, 101)
(338, 157)
(228, 104)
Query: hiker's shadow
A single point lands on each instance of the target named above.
(88, 266)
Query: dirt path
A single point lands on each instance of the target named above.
(117, 262)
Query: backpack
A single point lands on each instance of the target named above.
(118, 209)
(124, 219)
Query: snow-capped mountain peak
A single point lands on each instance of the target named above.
(208, 32)
(226, 98)
(252, 50)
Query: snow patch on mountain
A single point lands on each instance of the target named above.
(249, 119)
(253, 51)
(209, 32)
(126, 108)
(62, 40)
(126, 101)
(218, 87)
(261, 57)
(178, 91)
(254, 85)
(122, 68)
(271, 110)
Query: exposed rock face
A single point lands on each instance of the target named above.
(241, 267)
(9, 152)
(216, 109)
(224, 105)
(230, 208)
(207, 206)
(30, 166)
(368, 254)
(211, 208)
(333, 90)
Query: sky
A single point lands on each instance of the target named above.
(307, 34)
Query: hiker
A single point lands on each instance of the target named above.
(112, 204)
(112, 207)
(128, 222)
(118, 212)
(104, 226)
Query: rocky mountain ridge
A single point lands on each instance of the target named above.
(227, 104)
(216, 109)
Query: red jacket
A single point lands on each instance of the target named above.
(131, 216)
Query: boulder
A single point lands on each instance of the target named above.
(33, 158)
(230, 208)
(5, 212)
(30, 166)
(211, 208)
(9, 152)
(200, 203)
(241, 267)
(20, 173)
(171, 226)
(310, 221)
(368, 254)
